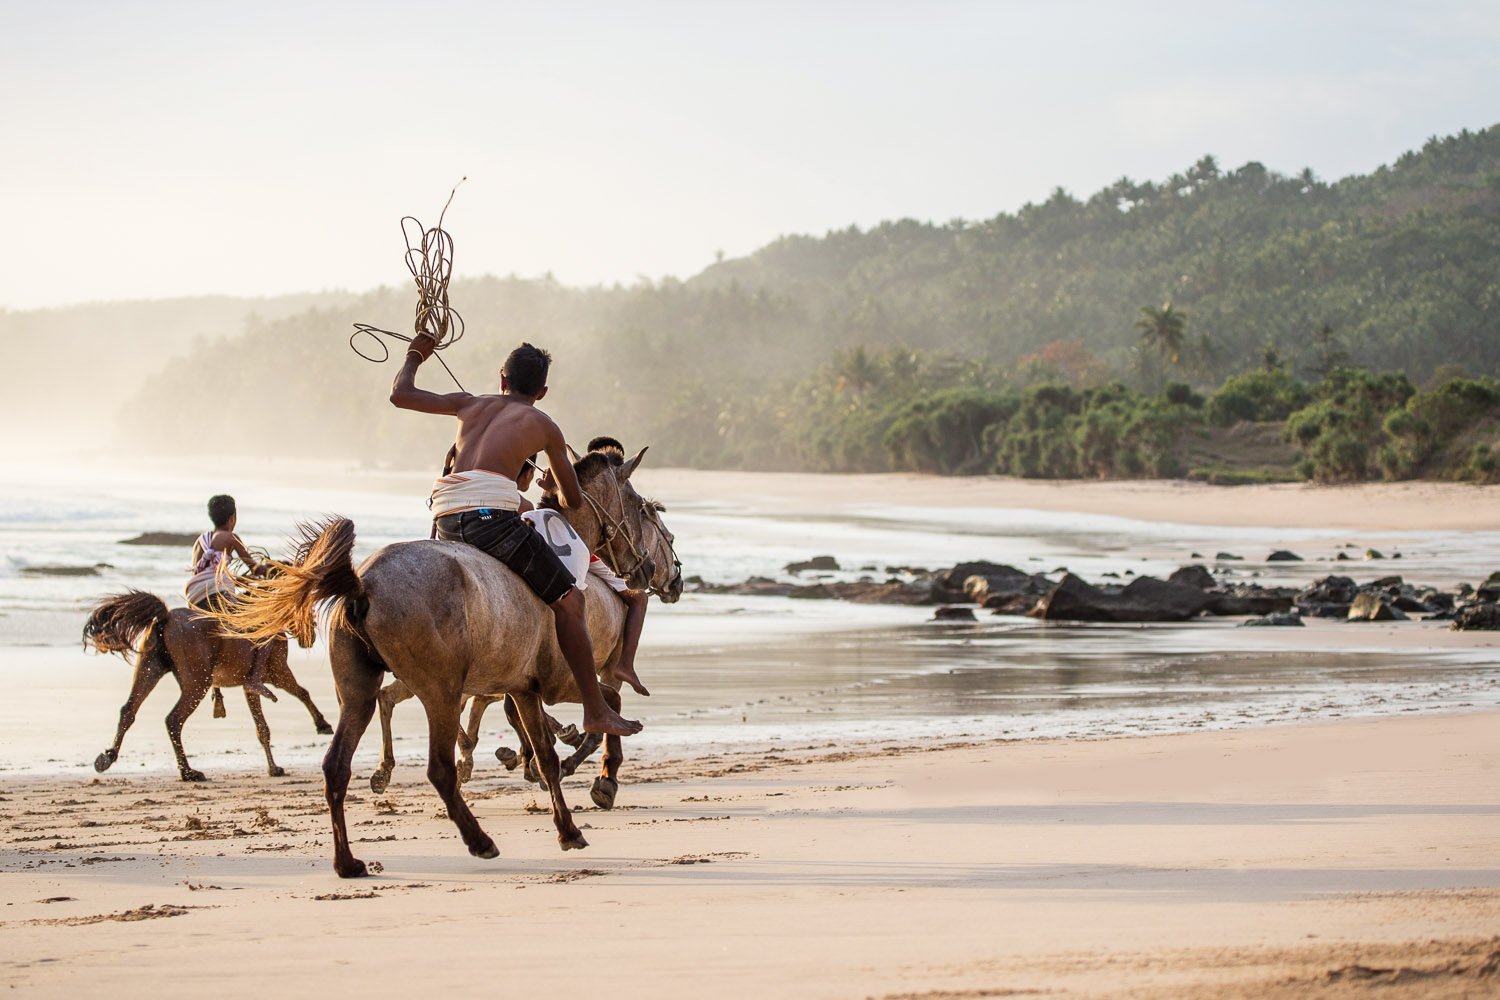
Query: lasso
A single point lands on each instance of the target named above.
(429, 258)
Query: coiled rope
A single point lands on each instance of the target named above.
(429, 258)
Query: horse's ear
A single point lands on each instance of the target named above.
(629, 466)
(573, 456)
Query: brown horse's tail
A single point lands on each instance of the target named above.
(320, 574)
(121, 620)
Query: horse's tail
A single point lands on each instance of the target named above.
(121, 620)
(320, 574)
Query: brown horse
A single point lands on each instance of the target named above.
(606, 785)
(187, 644)
(450, 621)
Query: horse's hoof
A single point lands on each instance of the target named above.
(485, 850)
(324, 729)
(570, 735)
(379, 780)
(276, 772)
(465, 771)
(573, 843)
(508, 757)
(603, 792)
(103, 761)
(353, 868)
(192, 775)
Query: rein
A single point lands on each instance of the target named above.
(612, 527)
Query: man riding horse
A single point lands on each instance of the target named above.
(479, 502)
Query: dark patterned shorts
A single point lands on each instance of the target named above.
(504, 535)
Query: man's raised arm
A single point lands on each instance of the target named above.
(404, 391)
(561, 467)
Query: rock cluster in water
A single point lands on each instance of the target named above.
(1189, 592)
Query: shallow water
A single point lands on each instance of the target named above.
(735, 671)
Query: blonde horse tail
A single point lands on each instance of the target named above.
(121, 619)
(319, 575)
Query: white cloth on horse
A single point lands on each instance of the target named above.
(606, 575)
(209, 575)
(564, 541)
(475, 489)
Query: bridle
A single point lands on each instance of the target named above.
(614, 528)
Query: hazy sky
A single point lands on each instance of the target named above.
(164, 149)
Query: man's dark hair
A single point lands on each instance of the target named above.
(220, 509)
(611, 447)
(526, 369)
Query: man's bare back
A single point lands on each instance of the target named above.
(499, 434)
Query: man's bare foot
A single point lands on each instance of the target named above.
(626, 673)
(609, 722)
(251, 684)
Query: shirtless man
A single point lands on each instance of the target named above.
(478, 503)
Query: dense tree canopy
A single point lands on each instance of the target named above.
(913, 345)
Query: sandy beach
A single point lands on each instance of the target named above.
(1316, 860)
(1366, 507)
(1251, 855)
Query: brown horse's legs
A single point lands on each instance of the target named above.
(607, 785)
(148, 670)
(390, 696)
(468, 737)
(528, 752)
(357, 680)
(263, 732)
(534, 720)
(194, 687)
(279, 673)
(442, 733)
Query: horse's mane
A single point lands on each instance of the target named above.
(585, 467)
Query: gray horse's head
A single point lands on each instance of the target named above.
(632, 539)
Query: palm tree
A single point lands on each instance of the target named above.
(1163, 328)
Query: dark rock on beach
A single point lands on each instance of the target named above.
(1373, 606)
(816, 562)
(1282, 618)
(1144, 599)
(950, 585)
(1193, 576)
(1020, 604)
(1484, 616)
(1282, 555)
(63, 570)
(1004, 584)
(1227, 557)
(161, 538)
(1489, 590)
(949, 612)
(1250, 599)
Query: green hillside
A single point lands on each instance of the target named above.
(866, 349)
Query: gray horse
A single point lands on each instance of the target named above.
(451, 621)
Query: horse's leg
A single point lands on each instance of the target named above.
(148, 670)
(195, 684)
(527, 757)
(468, 737)
(390, 695)
(607, 785)
(442, 733)
(263, 732)
(534, 720)
(279, 673)
(357, 678)
(586, 745)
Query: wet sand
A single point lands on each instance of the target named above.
(1331, 859)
